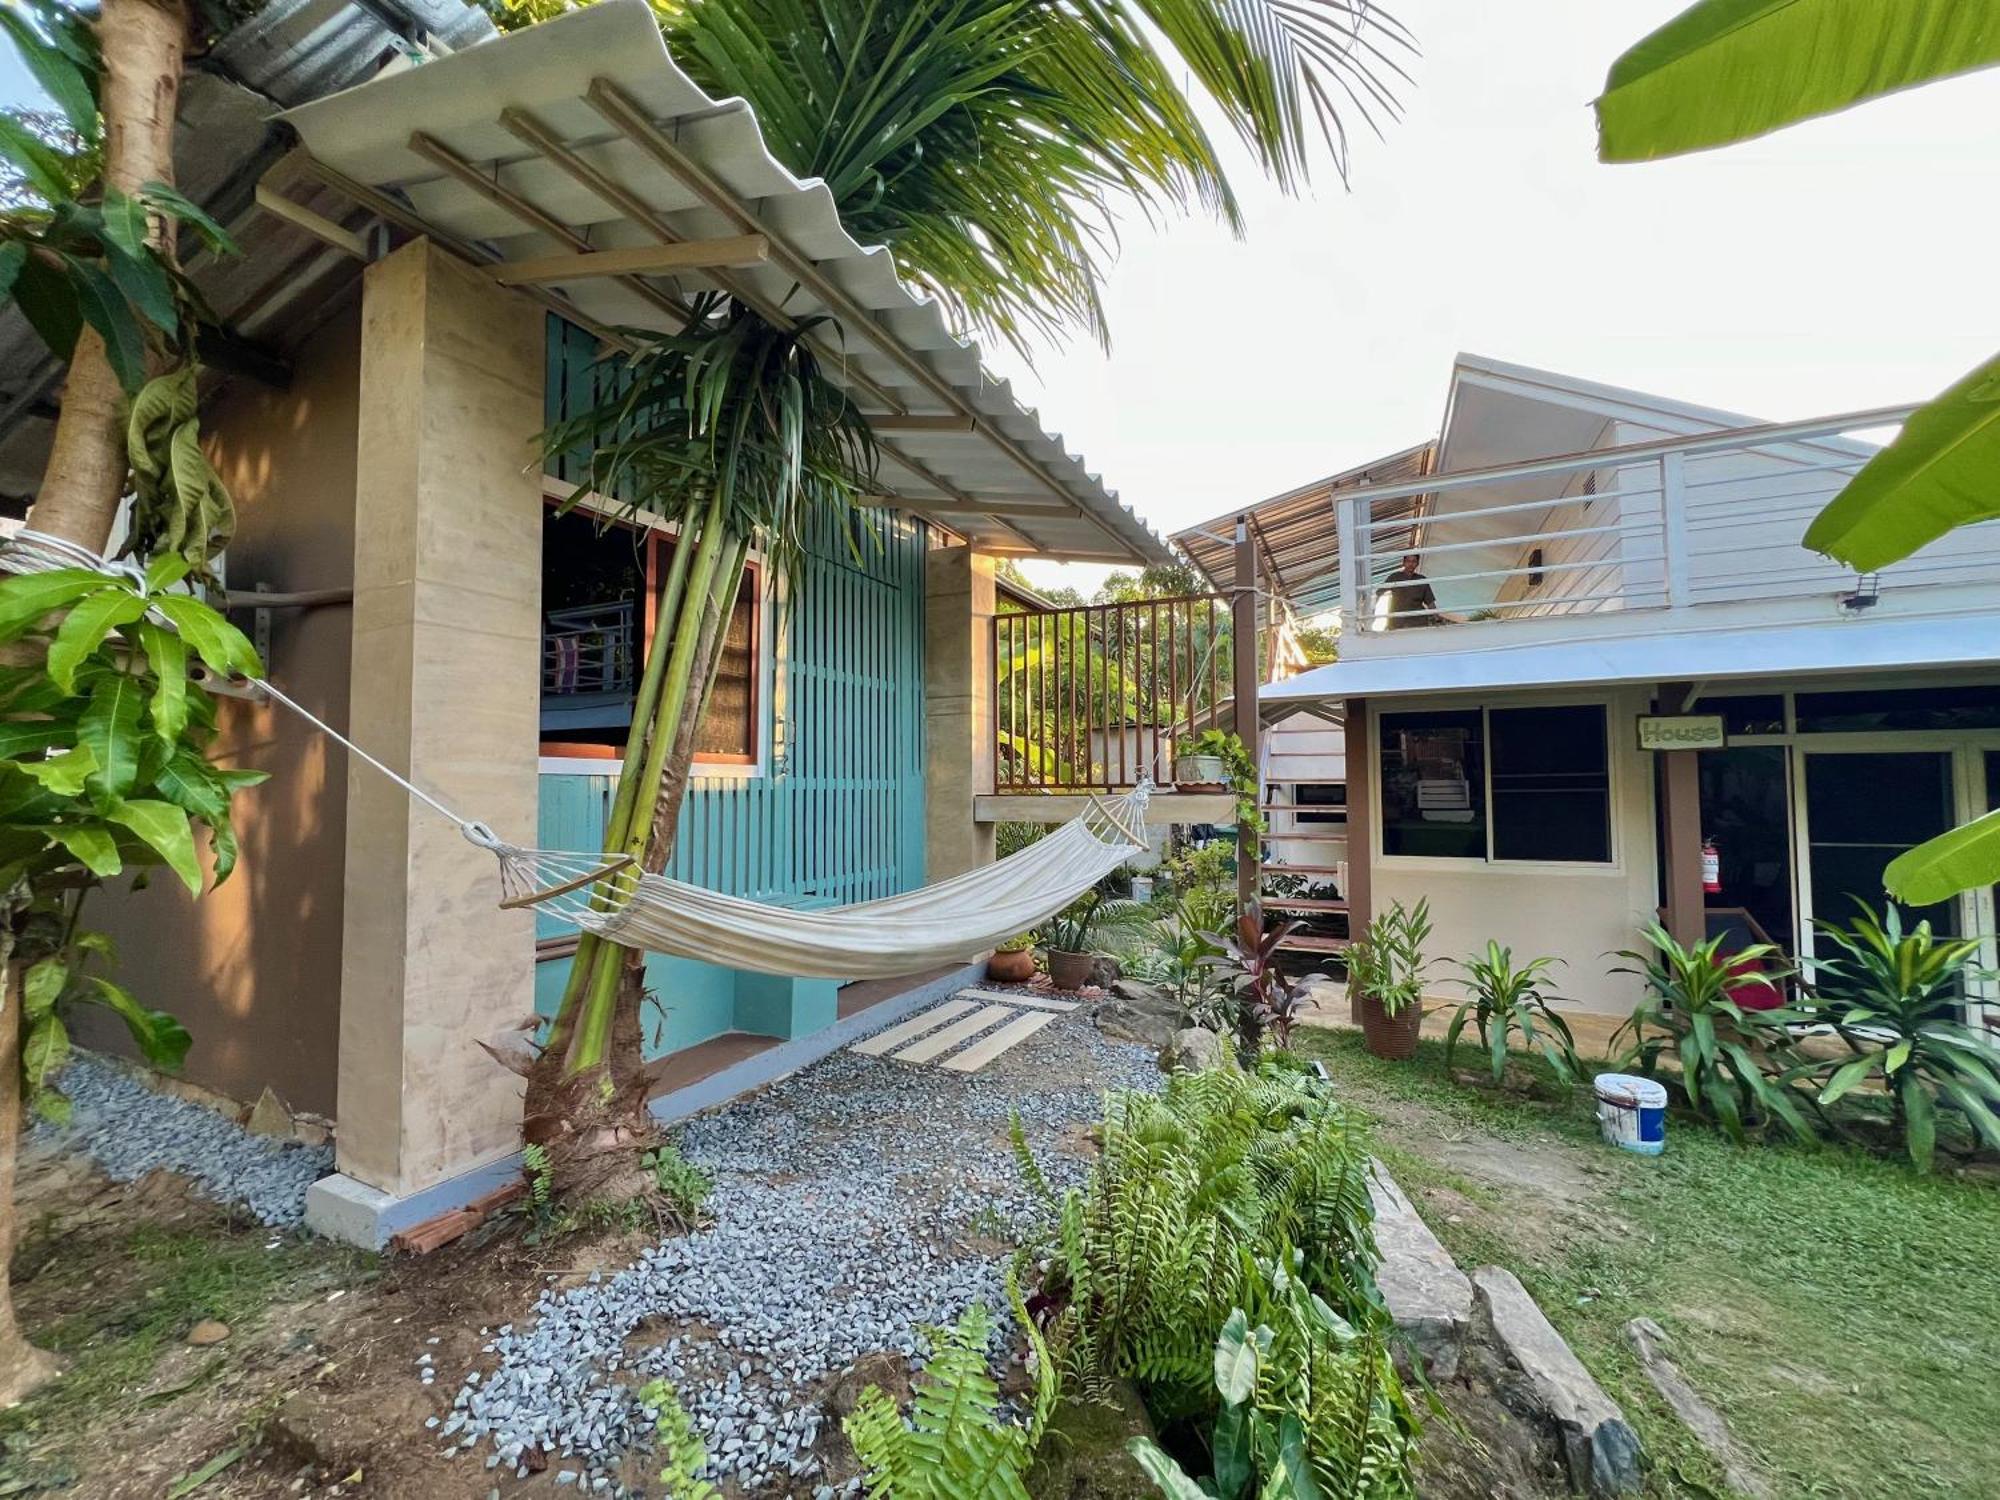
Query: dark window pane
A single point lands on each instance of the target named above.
(1551, 784)
(1434, 785)
(1899, 708)
(1745, 808)
(1749, 713)
(593, 579)
(1326, 799)
(1864, 810)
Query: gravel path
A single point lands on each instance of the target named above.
(129, 1129)
(855, 1202)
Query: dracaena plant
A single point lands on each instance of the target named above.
(1388, 965)
(104, 772)
(1896, 997)
(1505, 998)
(1732, 1062)
(1266, 998)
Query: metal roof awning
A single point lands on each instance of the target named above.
(578, 160)
(1915, 643)
(1294, 532)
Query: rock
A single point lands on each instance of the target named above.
(1104, 971)
(1138, 1012)
(1191, 1050)
(1427, 1294)
(1082, 1454)
(269, 1116)
(207, 1332)
(1599, 1445)
(1739, 1469)
(891, 1372)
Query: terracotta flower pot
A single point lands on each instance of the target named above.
(1070, 971)
(1015, 966)
(1392, 1037)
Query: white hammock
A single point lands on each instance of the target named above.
(614, 897)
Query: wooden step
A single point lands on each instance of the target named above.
(1302, 903)
(1304, 838)
(1308, 942)
(1272, 868)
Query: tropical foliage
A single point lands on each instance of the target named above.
(1727, 70)
(1267, 1000)
(956, 1444)
(1726, 1055)
(1092, 917)
(1387, 963)
(1507, 998)
(677, 1442)
(1239, 1195)
(1896, 998)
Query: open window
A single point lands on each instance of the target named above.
(601, 583)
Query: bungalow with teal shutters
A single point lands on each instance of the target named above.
(433, 261)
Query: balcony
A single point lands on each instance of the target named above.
(1680, 533)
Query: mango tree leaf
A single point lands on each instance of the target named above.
(162, 1040)
(89, 621)
(165, 830)
(226, 649)
(104, 308)
(43, 986)
(166, 570)
(109, 725)
(1936, 475)
(63, 774)
(145, 286)
(92, 844)
(58, 74)
(48, 302)
(170, 200)
(166, 654)
(44, 1052)
(39, 162)
(1728, 70)
(26, 597)
(1954, 861)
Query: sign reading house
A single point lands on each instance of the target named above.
(1682, 732)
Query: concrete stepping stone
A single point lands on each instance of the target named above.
(983, 1051)
(895, 1036)
(1599, 1445)
(941, 1042)
(1010, 997)
(1426, 1293)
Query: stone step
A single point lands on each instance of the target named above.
(1427, 1294)
(1599, 1445)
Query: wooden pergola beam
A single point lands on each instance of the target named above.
(636, 260)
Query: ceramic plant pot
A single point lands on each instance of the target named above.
(1015, 966)
(1070, 971)
(1200, 773)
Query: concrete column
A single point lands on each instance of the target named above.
(1680, 817)
(1244, 682)
(958, 709)
(447, 597)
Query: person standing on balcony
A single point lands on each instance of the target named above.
(1408, 599)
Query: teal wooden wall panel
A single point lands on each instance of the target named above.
(837, 813)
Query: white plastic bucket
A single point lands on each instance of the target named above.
(1142, 888)
(1632, 1113)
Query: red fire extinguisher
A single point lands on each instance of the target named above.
(1711, 867)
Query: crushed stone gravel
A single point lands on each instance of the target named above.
(129, 1129)
(856, 1203)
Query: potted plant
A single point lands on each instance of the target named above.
(1013, 962)
(1385, 974)
(1068, 933)
(1201, 761)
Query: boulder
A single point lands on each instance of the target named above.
(1739, 1469)
(1135, 1011)
(1426, 1293)
(269, 1116)
(1599, 1445)
(1192, 1049)
(1082, 1454)
(1104, 972)
(883, 1368)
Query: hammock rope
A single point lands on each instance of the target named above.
(614, 896)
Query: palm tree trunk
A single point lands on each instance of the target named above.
(23, 1367)
(144, 42)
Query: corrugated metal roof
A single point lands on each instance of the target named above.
(544, 166)
(1297, 547)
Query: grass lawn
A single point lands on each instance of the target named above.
(1841, 1311)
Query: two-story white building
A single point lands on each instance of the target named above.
(1622, 687)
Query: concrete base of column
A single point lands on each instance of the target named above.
(345, 1209)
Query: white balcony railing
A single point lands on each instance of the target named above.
(1667, 524)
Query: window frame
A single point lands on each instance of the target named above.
(1378, 810)
(583, 759)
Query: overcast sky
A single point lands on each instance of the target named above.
(1842, 264)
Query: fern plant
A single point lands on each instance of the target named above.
(955, 1445)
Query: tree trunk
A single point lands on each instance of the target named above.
(143, 42)
(23, 1367)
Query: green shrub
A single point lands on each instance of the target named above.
(1728, 1056)
(1896, 999)
(678, 1444)
(683, 1188)
(1012, 838)
(1388, 963)
(1506, 999)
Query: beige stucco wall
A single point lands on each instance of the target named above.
(958, 709)
(1577, 913)
(447, 577)
(253, 967)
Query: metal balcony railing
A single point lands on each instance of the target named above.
(1668, 524)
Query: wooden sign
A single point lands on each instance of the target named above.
(1682, 732)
